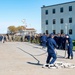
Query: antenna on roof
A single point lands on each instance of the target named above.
(24, 22)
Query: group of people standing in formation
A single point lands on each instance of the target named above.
(52, 41)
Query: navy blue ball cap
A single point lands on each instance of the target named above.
(52, 34)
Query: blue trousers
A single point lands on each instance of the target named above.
(53, 56)
(70, 52)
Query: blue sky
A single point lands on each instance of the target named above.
(12, 12)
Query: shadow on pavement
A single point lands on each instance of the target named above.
(35, 63)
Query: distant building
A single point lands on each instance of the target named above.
(59, 18)
(30, 31)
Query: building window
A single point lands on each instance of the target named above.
(61, 31)
(46, 12)
(70, 31)
(54, 32)
(61, 20)
(61, 9)
(46, 31)
(46, 22)
(70, 20)
(70, 8)
(54, 21)
(53, 11)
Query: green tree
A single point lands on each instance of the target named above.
(12, 29)
(19, 28)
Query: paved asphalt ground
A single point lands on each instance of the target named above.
(23, 58)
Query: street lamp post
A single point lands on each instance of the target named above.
(52, 28)
(24, 22)
(66, 27)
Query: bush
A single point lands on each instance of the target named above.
(73, 42)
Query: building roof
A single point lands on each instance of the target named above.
(58, 4)
(30, 29)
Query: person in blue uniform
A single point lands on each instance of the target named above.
(63, 41)
(40, 39)
(59, 40)
(28, 38)
(1, 37)
(51, 45)
(32, 38)
(69, 46)
(44, 40)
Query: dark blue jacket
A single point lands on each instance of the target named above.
(44, 38)
(51, 45)
(70, 43)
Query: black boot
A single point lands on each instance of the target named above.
(68, 57)
(71, 57)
